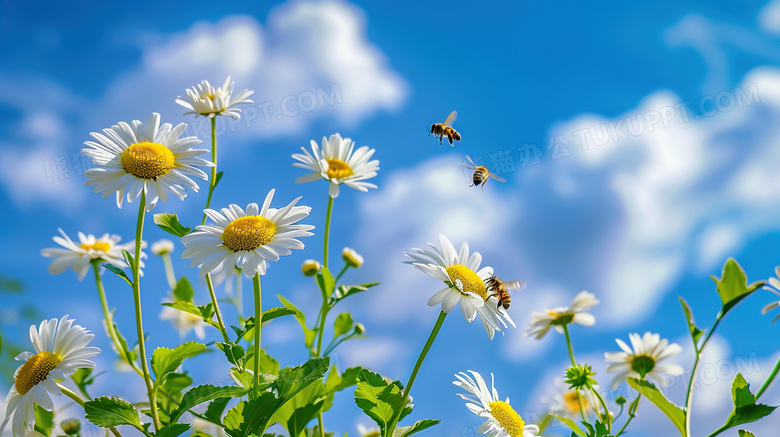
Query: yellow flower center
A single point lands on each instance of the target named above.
(508, 418)
(248, 233)
(338, 169)
(571, 400)
(560, 318)
(211, 96)
(100, 246)
(470, 280)
(147, 160)
(35, 370)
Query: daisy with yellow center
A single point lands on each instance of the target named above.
(557, 318)
(644, 360)
(61, 349)
(203, 99)
(151, 159)
(465, 283)
(78, 256)
(565, 402)
(338, 163)
(502, 419)
(246, 239)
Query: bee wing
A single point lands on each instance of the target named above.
(472, 166)
(497, 177)
(450, 118)
(514, 285)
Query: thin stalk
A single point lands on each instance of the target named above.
(139, 230)
(341, 273)
(631, 414)
(328, 214)
(67, 392)
(258, 328)
(605, 417)
(769, 380)
(213, 180)
(169, 275)
(216, 308)
(420, 359)
(694, 373)
(574, 363)
(240, 296)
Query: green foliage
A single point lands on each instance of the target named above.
(576, 430)
(344, 291)
(83, 378)
(381, 401)
(206, 312)
(733, 286)
(129, 355)
(343, 324)
(173, 430)
(746, 409)
(204, 393)
(170, 224)
(308, 334)
(112, 411)
(215, 410)
(184, 291)
(166, 360)
(692, 329)
(651, 392)
(119, 272)
(420, 425)
(743, 433)
(128, 258)
(10, 285)
(44, 420)
(325, 281)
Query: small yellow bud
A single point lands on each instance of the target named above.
(360, 329)
(352, 258)
(162, 247)
(310, 267)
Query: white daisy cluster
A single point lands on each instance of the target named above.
(203, 99)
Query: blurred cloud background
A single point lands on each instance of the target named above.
(640, 144)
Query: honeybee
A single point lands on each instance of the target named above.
(496, 287)
(440, 130)
(481, 174)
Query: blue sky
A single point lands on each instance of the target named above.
(643, 217)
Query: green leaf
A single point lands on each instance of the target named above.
(345, 291)
(325, 281)
(274, 313)
(119, 272)
(746, 409)
(205, 312)
(251, 417)
(342, 324)
(204, 393)
(733, 287)
(308, 334)
(571, 424)
(378, 399)
(128, 258)
(111, 411)
(233, 352)
(129, 354)
(170, 224)
(403, 431)
(174, 430)
(215, 409)
(44, 420)
(295, 379)
(166, 360)
(184, 291)
(743, 433)
(218, 178)
(672, 411)
(692, 329)
(82, 378)
(301, 416)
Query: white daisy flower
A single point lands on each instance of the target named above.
(246, 239)
(465, 281)
(162, 247)
(337, 163)
(183, 321)
(566, 402)
(203, 99)
(502, 419)
(644, 360)
(150, 159)
(78, 256)
(774, 287)
(558, 317)
(61, 349)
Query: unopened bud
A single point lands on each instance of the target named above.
(352, 258)
(71, 426)
(310, 267)
(360, 329)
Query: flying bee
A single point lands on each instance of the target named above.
(481, 174)
(496, 287)
(441, 130)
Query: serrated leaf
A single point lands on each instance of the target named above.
(251, 417)
(733, 287)
(295, 379)
(119, 272)
(184, 291)
(44, 420)
(215, 409)
(204, 393)
(343, 324)
(692, 329)
(576, 430)
(174, 430)
(274, 313)
(233, 352)
(420, 425)
(170, 224)
(166, 360)
(746, 409)
(378, 399)
(187, 307)
(675, 414)
(111, 411)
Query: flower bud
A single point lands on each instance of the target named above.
(162, 247)
(352, 258)
(310, 267)
(359, 329)
(71, 426)
(580, 376)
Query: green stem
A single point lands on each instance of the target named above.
(139, 230)
(420, 359)
(631, 414)
(109, 320)
(240, 296)
(169, 275)
(574, 363)
(769, 380)
(213, 180)
(258, 328)
(327, 231)
(341, 273)
(67, 392)
(222, 329)
(606, 416)
(694, 373)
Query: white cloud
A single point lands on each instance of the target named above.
(769, 17)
